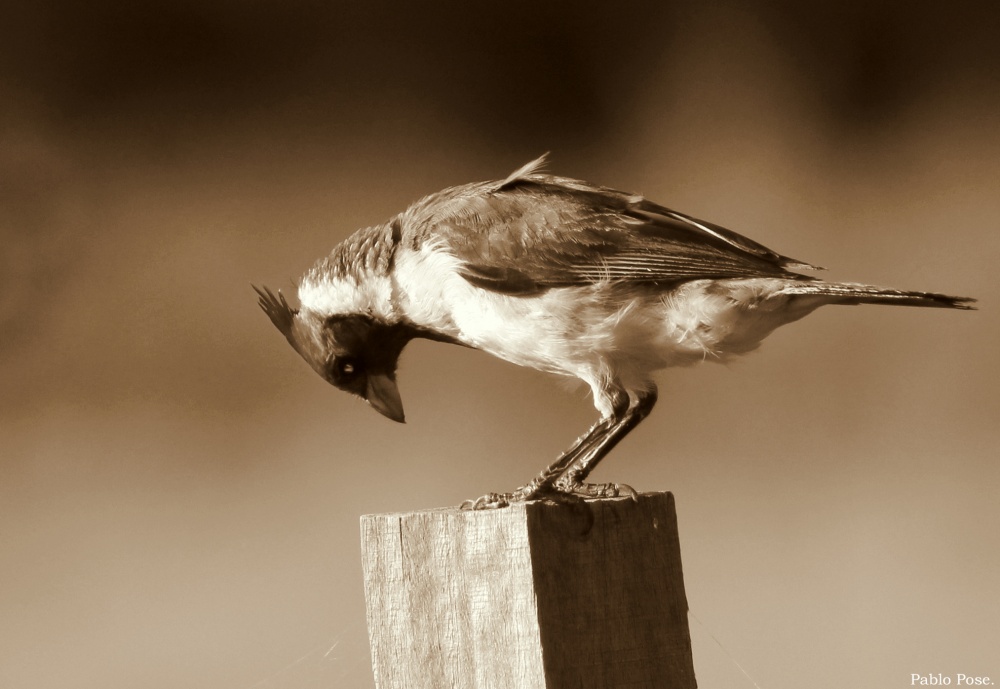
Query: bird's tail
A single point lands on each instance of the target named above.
(851, 293)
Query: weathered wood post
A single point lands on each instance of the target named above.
(536, 595)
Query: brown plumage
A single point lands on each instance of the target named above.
(558, 275)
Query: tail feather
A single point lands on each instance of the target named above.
(850, 293)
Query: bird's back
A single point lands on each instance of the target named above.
(531, 232)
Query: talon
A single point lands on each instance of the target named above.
(490, 501)
(597, 491)
(627, 491)
(533, 490)
(604, 490)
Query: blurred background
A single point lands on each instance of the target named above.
(180, 494)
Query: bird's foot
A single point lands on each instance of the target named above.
(490, 501)
(595, 491)
(534, 490)
(564, 490)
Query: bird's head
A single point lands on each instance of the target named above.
(352, 352)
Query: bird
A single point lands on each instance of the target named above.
(558, 275)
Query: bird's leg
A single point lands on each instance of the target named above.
(572, 479)
(545, 483)
(546, 480)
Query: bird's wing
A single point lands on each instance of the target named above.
(532, 232)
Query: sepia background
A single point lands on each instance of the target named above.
(180, 494)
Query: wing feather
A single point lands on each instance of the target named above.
(531, 232)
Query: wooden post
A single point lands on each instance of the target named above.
(536, 595)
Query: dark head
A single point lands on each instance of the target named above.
(352, 352)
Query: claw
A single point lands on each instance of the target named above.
(533, 490)
(490, 501)
(627, 491)
(596, 491)
(563, 491)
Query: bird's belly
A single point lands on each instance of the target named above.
(543, 331)
(556, 331)
(615, 328)
(631, 332)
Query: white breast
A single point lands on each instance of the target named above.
(594, 332)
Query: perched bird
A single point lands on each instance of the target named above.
(558, 275)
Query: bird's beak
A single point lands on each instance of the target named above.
(383, 395)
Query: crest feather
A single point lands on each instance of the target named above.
(278, 310)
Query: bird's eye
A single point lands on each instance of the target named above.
(346, 368)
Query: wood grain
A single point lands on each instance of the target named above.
(536, 595)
